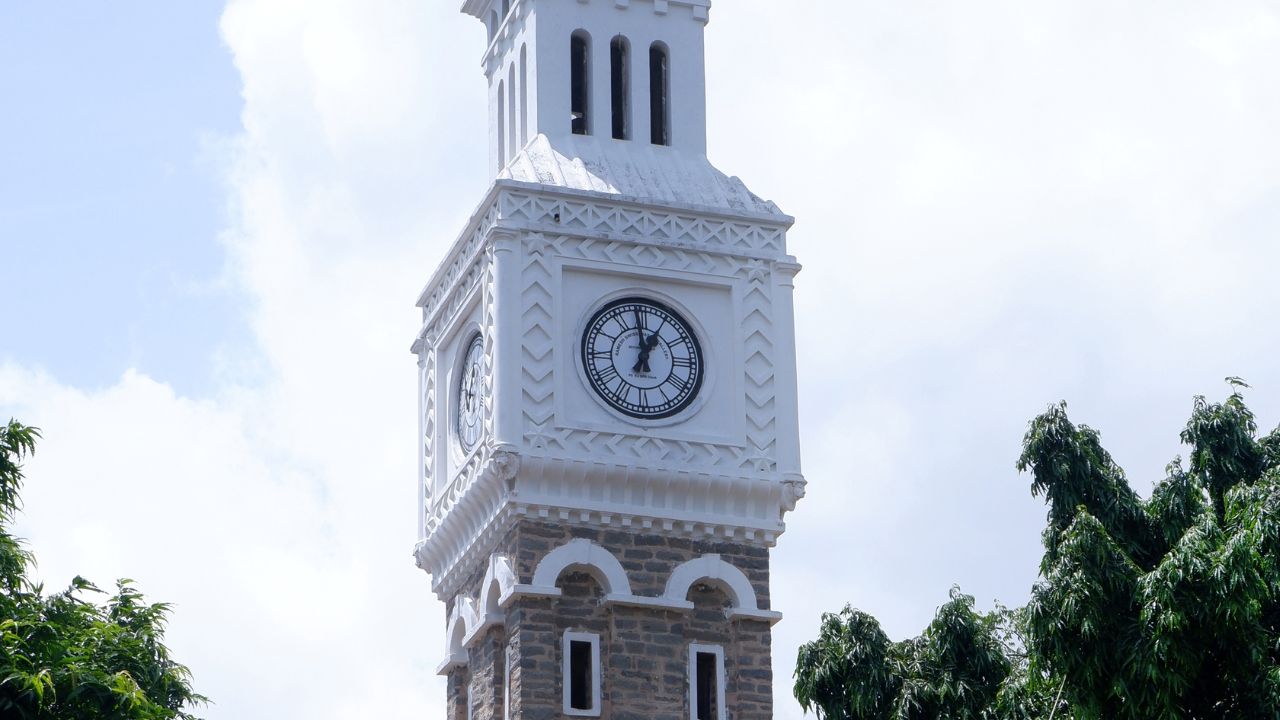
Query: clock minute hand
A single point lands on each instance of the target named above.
(642, 358)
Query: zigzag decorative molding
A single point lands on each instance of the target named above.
(489, 320)
(427, 381)
(538, 349)
(612, 219)
(757, 327)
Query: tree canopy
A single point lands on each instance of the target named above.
(80, 654)
(1151, 609)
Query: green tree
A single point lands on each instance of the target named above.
(64, 656)
(1145, 610)
(955, 669)
(1165, 608)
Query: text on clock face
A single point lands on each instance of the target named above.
(642, 358)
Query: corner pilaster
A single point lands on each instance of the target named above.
(505, 293)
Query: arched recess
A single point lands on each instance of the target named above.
(524, 95)
(659, 94)
(512, 110)
(587, 557)
(580, 82)
(499, 584)
(620, 86)
(460, 620)
(502, 124)
(712, 569)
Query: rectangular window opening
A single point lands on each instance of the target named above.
(707, 709)
(581, 674)
(706, 683)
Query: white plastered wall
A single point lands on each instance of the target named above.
(544, 27)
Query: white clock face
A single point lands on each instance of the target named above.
(642, 358)
(469, 407)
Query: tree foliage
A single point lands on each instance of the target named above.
(1166, 608)
(1151, 609)
(955, 669)
(80, 654)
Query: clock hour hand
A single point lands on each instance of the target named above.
(646, 347)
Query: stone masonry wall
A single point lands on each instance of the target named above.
(644, 652)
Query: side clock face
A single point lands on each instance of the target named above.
(469, 405)
(642, 358)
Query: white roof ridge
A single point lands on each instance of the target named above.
(632, 169)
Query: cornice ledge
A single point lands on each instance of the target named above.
(647, 602)
(770, 616)
(518, 592)
(451, 663)
(788, 266)
(445, 545)
(476, 633)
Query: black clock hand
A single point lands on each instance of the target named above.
(642, 359)
(646, 348)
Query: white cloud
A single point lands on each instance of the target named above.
(1000, 204)
(278, 515)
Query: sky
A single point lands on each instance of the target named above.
(215, 219)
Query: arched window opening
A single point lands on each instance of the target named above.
(524, 95)
(512, 147)
(620, 75)
(502, 125)
(580, 83)
(659, 95)
(494, 21)
(506, 8)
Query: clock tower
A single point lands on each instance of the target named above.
(607, 379)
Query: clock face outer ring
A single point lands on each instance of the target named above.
(663, 358)
(465, 418)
